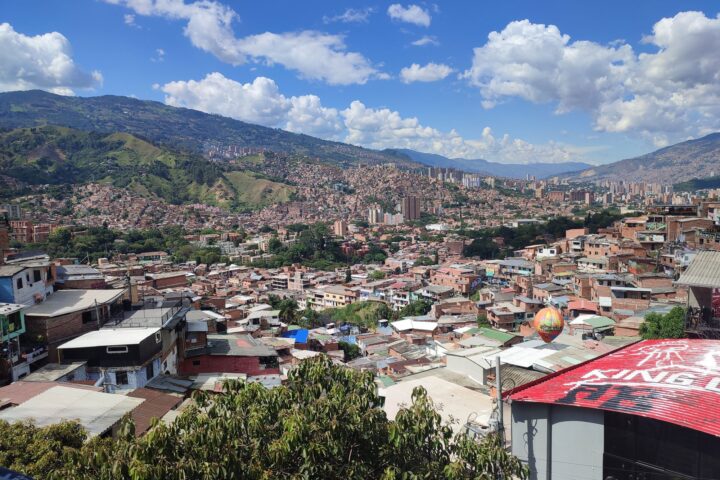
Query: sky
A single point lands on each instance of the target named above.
(514, 82)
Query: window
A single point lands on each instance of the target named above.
(89, 316)
(158, 337)
(117, 349)
(196, 363)
(19, 283)
(37, 276)
(121, 377)
(149, 371)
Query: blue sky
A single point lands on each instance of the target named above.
(519, 81)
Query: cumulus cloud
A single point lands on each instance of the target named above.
(262, 102)
(432, 72)
(42, 61)
(426, 40)
(351, 15)
(665, 94)
(410, 14)
(385, 128)
(314, 55)
(258, 102)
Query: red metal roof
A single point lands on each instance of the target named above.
(156, 405)
(676, 381)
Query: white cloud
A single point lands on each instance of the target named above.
(314, 55)
(159, 56)
(426, 40)
(307, 115)
(261, 102)
(432, 72)
(43, 61)
(129, 20)
(410, 14)
(665, 95)
(317, 56)
(385, 128)
(351, 15)
(258, 102)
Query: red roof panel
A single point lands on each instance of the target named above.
(676, 381)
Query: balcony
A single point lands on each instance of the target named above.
(34, 354)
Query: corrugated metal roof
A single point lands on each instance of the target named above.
(156, 405)
(675, 381)
(95, 411)
(704, 271)
(22, 391)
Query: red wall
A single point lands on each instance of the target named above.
(225, 364)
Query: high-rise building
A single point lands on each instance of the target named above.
(411, 208)
(375, 215)
(12, 212)
(340, 228)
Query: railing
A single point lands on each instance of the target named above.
(38, 353)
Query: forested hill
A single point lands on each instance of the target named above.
(178, 128)
(60, 155)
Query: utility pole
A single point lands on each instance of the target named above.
(498, 389)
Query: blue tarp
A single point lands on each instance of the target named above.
(300, 335)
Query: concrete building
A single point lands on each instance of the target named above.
(340, 228)
(411, 208)
(118, 358)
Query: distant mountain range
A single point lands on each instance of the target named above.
(177, 128)
(691, 160)
(187, 133)
(509, 170)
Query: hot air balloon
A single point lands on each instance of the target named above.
(548, 323)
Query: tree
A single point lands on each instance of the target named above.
(348, 276)
(669, 325)
(482, 320)
(35, 451)
(423, 261)
(377, 275)
(325, 422)
(415, 308)
(351, 350)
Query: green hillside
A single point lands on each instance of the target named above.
(59, 155)
(178, 128)
(697, 184)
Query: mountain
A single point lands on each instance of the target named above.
(60, 155)
(178, 128)
(510, 170)
(690, 160)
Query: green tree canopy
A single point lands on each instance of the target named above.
(324, 423)
(669, 325)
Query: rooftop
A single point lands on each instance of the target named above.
(53, 371)
(108, 337)
(238, 345)
(10, 308)
(63, 302)
(97, 412)
(675, 381)
(458, 402)
(704, 271)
